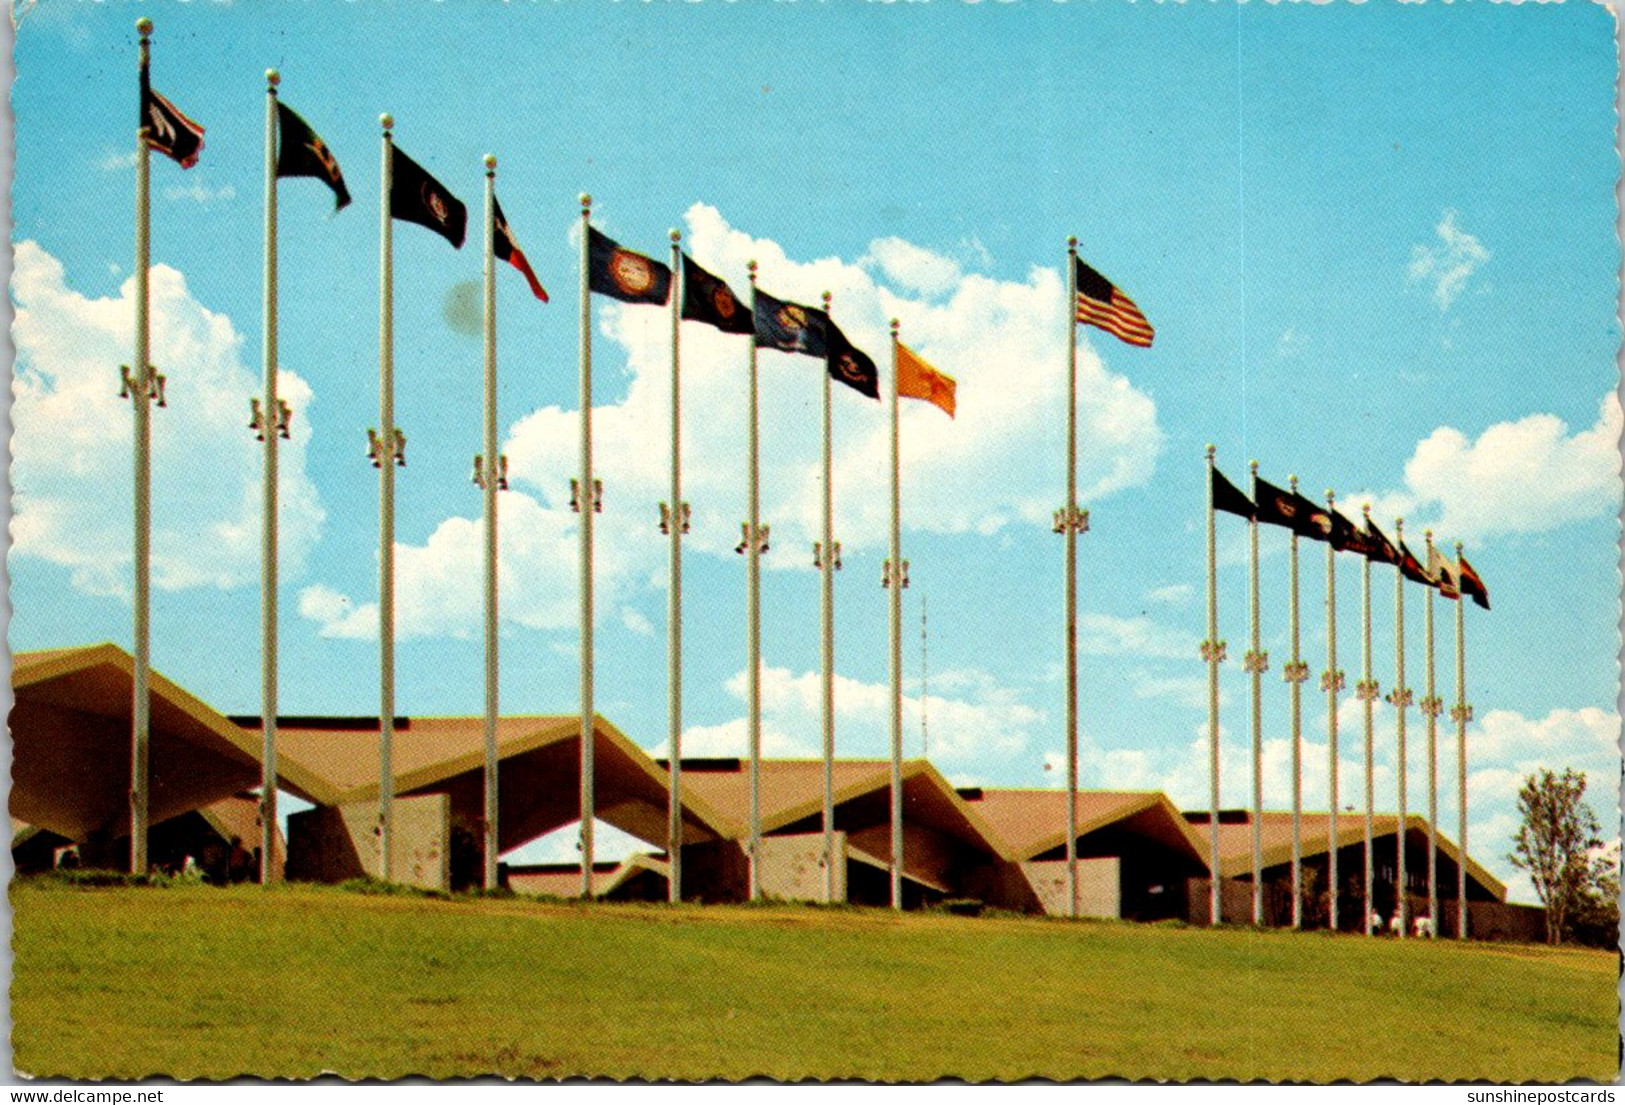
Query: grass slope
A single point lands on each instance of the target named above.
(205, 983)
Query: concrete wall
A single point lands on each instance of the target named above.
(334, 843)
(792, 867)
(1098, 886)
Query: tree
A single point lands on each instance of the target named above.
(1595, 918)
(1554, 843)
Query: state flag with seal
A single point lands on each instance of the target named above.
(708, 299)
(417, 197)
(506, 248)
(1345, 535)
(1229, 498)
(624, 275)
(789, 327)
(849, 365)
(300, 151)
(168, 129)
(918, 380)
(1375, 546)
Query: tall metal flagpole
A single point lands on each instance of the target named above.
(754, 535)
(1431, 708)
(675, 524)
(1296, 673)
(387, 452)
(826, 558)
(1400, 697)
(1256, 663)
(1367, 690)
(1071, 521)
(271, 425)
(489, 482)
(1461, 713)
(896, 580)
(587, 502)
(1331, 681)
(1212, 652)
(139, 387)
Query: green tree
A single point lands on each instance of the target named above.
(1595, 919)
(1554, 842)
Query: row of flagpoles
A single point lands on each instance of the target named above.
(1455, 580)
(410, 194)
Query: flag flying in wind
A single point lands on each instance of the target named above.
(708, 299)
(918, 380)
(1443, 573)
(169, 131)
(506, 248)
(790, 326)
(417, 197)
(1411, 567)
(1374, 545)
(1101, 304)
(300, 151)
(848, 364)
(1345, 536)
(624, 275)
(1292, 510)
(1228, 497)
(1472, 586)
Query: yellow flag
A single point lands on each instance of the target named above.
(918, 380)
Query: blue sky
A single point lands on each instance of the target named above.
(1377, 242)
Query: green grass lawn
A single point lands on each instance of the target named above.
(207, 983)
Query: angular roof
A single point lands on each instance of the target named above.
(1236, 841)
(793, 790)
(563, 880)
(1033, 822)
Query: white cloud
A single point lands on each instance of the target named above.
(72, 438)
(1110, 635)
(636, 622)
(1174, 594)
(198, 192)
(978, 717)
(1526, 476)
(984, 472)
(1448, 264)
(114, 161)
(563, 845)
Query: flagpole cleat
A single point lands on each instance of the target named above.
(127, 387)
(1255, 661)
(1461, 712)
(744, 538)
(1432, 705)
(598, 496)
(1401, 697)
(256, 419)
(1214, 652)
(502, 472)
(665, 519)
(479, 473)
(837, 556)
(1296, 671)
(1366, 690)
(575, 495)
(400, 448)
(686, 514)
(284, 420)
(1332, 681)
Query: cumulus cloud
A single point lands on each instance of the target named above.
(1525, 476)
(1448, 263)
(1110, 635)
(198, 192)
(984, 472)
(72, 438)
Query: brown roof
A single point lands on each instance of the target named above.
(1236, 841)
(1034, 821)
(563, 880)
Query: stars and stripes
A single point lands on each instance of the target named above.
(1100, 303)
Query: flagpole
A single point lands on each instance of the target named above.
(489, 485)
(387, 453)
(271, 426)
(1256, 663)
(1331, 681)
(1461, 714)
(1368, 691)
(139, 386)
(1400, 697)
(753, 616)
(826, 560)
(587, 502)
(897, 579)
(1070, 523)
(1431, 707)
(676, 524)
(1212, 652)
(1296, 673)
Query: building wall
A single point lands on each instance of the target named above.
(334, 843)
(927, 853)
(792, 867)
(715, 871)
(1098, 883)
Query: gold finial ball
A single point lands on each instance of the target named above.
(1330, 495)
(387, 121)
(490, 160)
(1292, 480)
(1253, 464)
(1072, 241)
(1399, 523)
(751, 265)
(143, 26)
(676, 235)
(273, 78)
(827, 298)
(586, 201)
(895, 326)
(1366, 510)
(1427, 533)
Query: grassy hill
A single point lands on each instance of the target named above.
(206, 983)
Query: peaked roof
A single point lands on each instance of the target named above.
(1034, 821)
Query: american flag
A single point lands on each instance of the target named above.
(1101, 304)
